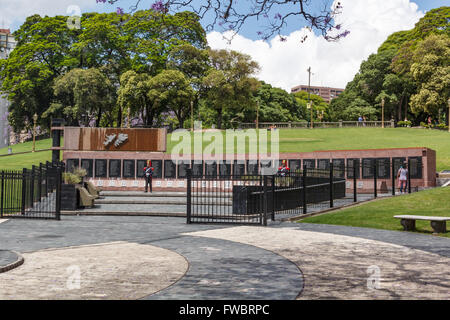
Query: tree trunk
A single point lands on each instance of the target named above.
(399, 109)
(219, 118)
(97, 124)
(119, 118)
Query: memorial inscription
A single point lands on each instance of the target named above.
(169, 169)
(128, 170)
(100, 168)
(114, 168)
(88, 165)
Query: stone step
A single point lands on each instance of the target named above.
(159, 194)
(132, 209)
(161, 200)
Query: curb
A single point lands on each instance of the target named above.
(123, 213)
(20, 260)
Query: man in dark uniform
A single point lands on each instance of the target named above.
(148, 170)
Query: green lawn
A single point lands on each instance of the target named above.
(306, 140)
(293, 140)
(20, 161)
(379, 214)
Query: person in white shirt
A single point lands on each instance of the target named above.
(402, 176)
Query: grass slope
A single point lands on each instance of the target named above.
(306, 140)
(379, 214)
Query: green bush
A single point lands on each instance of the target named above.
(70, 178)
(406, 123)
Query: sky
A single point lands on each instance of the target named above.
(283, 64)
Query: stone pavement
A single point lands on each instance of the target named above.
(282, 261)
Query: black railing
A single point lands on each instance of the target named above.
(32, 193)
(252, 199)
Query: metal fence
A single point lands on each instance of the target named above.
(32, 194)
(318, 124)
(255, 199)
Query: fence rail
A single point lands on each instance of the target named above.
(32, 194)
(307, 125)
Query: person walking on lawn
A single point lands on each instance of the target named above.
(148, 170)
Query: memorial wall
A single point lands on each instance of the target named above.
(115, 158)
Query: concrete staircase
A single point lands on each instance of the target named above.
(138, 203)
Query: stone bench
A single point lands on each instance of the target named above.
(437, 223)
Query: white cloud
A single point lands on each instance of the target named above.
(14, 12)
(284, 64)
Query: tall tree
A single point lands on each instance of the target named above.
(229, 85)
(82, 97)
(431, 70)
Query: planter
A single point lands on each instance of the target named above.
(69, 197)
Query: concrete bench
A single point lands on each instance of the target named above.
(437, 223)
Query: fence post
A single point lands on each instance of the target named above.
(265, 211)
(304, 190)
(40, 183)
(32, 178)
(188, 194)
(24, 187)
(273, 198)
(409, 175)
(393, 177)
(331, 184)
(375, 179)
(58, 194)
(2, 194)
(355, 192)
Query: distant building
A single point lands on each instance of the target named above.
(326, 93)
(7, 44)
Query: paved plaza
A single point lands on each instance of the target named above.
(137, 257)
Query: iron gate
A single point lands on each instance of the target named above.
(32, 194)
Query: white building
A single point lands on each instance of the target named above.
(7, 44)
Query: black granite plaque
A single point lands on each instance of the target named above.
(169, 169)
(368, 165)
(225, 169)
(383, 168)
(88, 165)
(183, 165)
(114, 168)
(72, 164)
(129, 169)
(295, 165)
(197, 168)
(351, 163)
(140, 165)
(266, 163)
(401, 161)
(339, 168)
(323, 164)
(211, 168)
(238, 168)
(415, 167)
(309, 163)
(252, 167)
(100, 168)
(157, 169)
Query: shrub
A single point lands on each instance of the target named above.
(406, 123)
(70, 178)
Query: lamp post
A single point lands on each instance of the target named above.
(309, 106)
(382, 112)
(35, 117)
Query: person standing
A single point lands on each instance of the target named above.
(148, 170)
(402, 176)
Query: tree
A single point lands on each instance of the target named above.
(82, 97)
(275, 15)
(229, 86)
(275, 104)
(170, 90)
(133, 94)
(319, 106)
(43, 53)
(431, 70)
